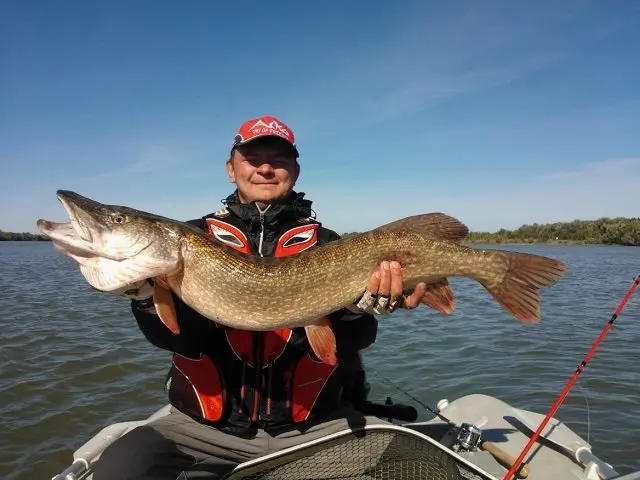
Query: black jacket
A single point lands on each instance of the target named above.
(214, 377)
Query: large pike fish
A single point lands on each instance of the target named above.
(116, 246)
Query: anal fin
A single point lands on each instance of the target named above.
(323, 341)
(439, 296)
(165, 308)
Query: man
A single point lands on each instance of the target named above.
(240, 394)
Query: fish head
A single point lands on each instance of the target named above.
(115, 245)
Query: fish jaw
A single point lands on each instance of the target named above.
(65, 237)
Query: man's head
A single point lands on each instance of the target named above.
(263, 162)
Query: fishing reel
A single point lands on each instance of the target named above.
(468, 438)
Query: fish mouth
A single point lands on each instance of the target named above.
(64, 237)
(74, 232)
(67, 201)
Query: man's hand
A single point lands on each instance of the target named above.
(384, 291)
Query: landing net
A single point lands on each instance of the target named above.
(367, 455)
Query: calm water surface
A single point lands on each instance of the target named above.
(73, 360)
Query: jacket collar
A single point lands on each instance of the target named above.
(292, 207)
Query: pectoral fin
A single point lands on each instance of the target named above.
(323, 341)
(165, 308)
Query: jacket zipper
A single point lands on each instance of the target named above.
(258, 356)
(262, 212)
(243, 380)
(269, 378)
(259, 336)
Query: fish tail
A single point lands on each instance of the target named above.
(518, 288)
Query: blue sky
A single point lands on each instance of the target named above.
(499, 113)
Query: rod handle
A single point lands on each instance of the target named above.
(504, 458)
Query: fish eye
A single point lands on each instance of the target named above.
(118, 218)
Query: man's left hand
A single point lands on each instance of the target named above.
(384, 292)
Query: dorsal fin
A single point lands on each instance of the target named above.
(437, 225)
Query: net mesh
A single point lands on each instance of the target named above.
(377, 455)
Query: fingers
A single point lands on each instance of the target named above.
(385, 280)
(381, 305)
(396, 280)
(413, 300)
(374, 282)
(390, 288)
(384, 289)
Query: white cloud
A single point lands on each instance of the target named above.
(616, 166)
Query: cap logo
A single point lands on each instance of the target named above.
(271, 127)
(264, 127)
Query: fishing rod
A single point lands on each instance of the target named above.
(573, 379)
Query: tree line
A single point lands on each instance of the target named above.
(21, 237)
(603, 231)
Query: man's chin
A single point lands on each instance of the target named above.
(267, 193)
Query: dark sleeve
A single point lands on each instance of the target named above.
(353, 331)
(195, 330)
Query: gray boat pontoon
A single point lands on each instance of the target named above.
(484, 435)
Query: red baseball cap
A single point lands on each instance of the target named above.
(265, 126)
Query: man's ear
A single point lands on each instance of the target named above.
(230, 171)
(296, 172)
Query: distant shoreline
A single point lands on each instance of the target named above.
(22, 237)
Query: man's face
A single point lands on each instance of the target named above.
(263, 171)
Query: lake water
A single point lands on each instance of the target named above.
(73, 360)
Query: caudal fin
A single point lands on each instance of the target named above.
(439, 296)
(519, 289)
(323, 341)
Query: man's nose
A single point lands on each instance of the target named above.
(265, 167)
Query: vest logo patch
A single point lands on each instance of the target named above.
(296, 240)
(228, 234)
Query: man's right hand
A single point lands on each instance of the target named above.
(384, 291)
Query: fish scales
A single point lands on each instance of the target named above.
(303, 288)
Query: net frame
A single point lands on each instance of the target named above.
(371, 452)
